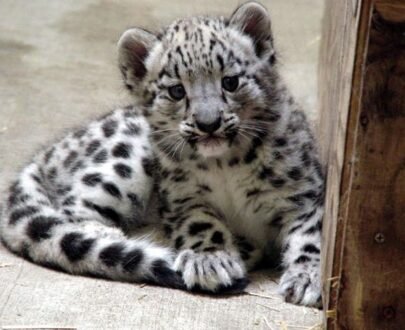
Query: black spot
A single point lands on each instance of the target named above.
(76, 166)
(266, 172)
(134, 199)
(20, 213)
(92, 147)
(16, 197)
(304, 217)
(220, 61)
(182, 200)
(245, 246)
(109, 127)
(148, 165)
(204, 187)
(48, 155)
(63, 190)
(278, 155)
(36, 178)
(112, 189)
(196, 245)
(295, 174)
(124, 171)
(131, 260)
(112, 255)
(67, 212)
(197, 227)
(299, 199)
(294, 229)
(105, 211)
(234, 161)
(280, 142)
(277, 220)
(179, 177)
(52, 173)
(122, 150)
(217, 238)
(80, 133)
(277, 182)
(132, 129)
(202, 166)
(318, 168)
(210, 249)
(314, 229)
(70, 159)
(179, 242)
(251, 155)
(91, 179)
(310, 248)
(167, 230)
(302, 259)
(101, 157)
(40, 226)
(75, 246)
(253, 192)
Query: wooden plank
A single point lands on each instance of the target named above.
(337, 56)
(372, 286)
(366, 191)
(391, 10)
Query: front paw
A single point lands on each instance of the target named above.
(302, 286)
(217, 271)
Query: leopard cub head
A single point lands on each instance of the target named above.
(198, 80)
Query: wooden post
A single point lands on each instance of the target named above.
(362, 132)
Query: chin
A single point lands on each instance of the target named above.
(214, 149)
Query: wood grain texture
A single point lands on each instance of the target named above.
(336, 65)
(391, 10)
(366, 191)
(372, 286)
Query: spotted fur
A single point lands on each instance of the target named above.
(214, 143)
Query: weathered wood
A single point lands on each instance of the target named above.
(372, 290)
(337, 55)
(391, 10)
(366, 192)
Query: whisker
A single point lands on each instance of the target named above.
(252, 134)
(177, 145)
(165, 138)
(163, 130)
(255, 128)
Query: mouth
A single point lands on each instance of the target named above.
(211, 145)
(211, 140)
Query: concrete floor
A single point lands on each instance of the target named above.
(57, 69)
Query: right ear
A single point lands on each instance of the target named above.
(133, 49)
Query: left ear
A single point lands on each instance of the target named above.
(134, 47)
(253, 20)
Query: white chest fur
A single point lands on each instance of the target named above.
(244, 216)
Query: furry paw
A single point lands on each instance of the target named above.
(302, 286)
(218, 271)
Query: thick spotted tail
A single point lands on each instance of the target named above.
(32, 226)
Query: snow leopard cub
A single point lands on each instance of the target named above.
(214, 143)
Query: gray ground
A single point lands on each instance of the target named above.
(57, 69)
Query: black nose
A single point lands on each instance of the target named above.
(210, 127)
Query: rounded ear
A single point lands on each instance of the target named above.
(253, 20)
(133, 49)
